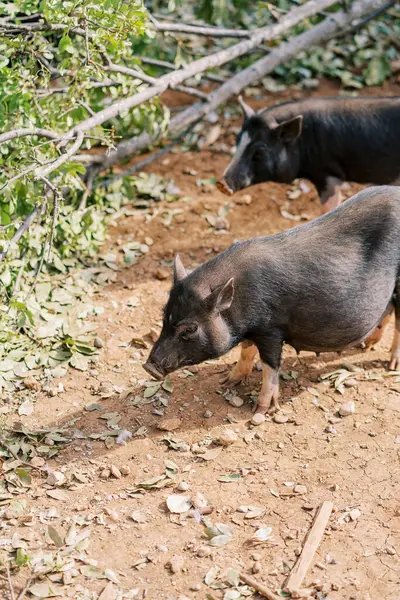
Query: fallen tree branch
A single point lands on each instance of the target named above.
(312, 541)
(17, 133)
(43, 171)
(152, 80)
(168, 65)
(170, 80)
(57, 198)
(200, 30)
(10, 584)
(325, 30)
(259, 587)
(19, 233)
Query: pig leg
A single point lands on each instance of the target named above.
(330, 194)
(394, 364)
(270, 348)
(244, 366)
(377, 334)
(269, 394)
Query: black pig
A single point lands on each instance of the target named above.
(322, 286)
(325, 140)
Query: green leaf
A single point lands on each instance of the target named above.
(377, 71)
(230, 478)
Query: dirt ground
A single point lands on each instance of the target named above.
(353, 461)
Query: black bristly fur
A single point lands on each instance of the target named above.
(322, 286)
(349, 139)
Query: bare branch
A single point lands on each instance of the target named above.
(16, 28)
(208, 62)
(200, 30)
(43, 171)
(168, 65)
(17, 133)
(58, 197)
(152, 80)
(10, 584)
(20, 232)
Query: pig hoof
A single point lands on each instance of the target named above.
(232, 378)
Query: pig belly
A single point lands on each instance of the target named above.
(336, 332)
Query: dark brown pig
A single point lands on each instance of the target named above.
(322, 286)
(325, 140)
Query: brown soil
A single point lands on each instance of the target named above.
(356, 465)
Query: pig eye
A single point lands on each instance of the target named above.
(187, 332)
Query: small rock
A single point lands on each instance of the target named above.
(281, 418)
(308, 506)
(183, 486)
(256, 556)
(236, 401)
(204, 551)
(175, 565)
(330, 430)
(334, 487)
(355, 514)
(37, 461)
(330, 559)
(125, 470)
(372, 433)
(98, 342)
(245, 199)
(169, 424)
(335, 587)
(162, 273)
(347, 409)
(258, 419)
(105, 473)
(196, 587)
(227, 437)
(115, 472)
(281, 445)
(300, 489)
(56, 478)
(208, 414)
(256, 568)
(390, 550)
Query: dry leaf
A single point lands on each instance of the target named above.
(211, 454)
(110, 592)
(178, 504)
(58, 494)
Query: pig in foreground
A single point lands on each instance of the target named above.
(322, 286)
(325, 140)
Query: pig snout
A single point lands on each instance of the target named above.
(223, 187)
(153, 370)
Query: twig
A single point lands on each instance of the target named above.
(20, 232)
(311, 543)
(26, 588)
(200, 30)
(10, 584)
(168, 65)
(259, 587)
(57, 198)
(43, 171)
(362, 22)
(87, 40)
(17, 133)
(87, 192)
(152, 80)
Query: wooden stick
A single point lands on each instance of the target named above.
(259, 587)
(10, 584)
(311, 543)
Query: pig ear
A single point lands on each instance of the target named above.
(289, 131)
(221, 298)
(179, 270)
(247, 110)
